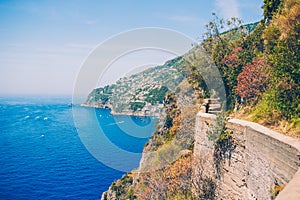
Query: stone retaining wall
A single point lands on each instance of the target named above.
(259, 160)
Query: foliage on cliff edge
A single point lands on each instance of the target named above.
(261, 72)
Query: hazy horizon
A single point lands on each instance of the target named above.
(43, 44)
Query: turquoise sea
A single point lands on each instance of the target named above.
(45, 155)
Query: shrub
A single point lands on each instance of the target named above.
(137, 106)
(252, 81)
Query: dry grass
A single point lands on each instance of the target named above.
(270, 119)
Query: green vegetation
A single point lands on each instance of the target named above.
(259, 64)
(223, 142)
(137, 106)
(122, 188)
(149, 86)
(156, 95)
(261, 70)
(276, 190)
(282, 51)
(260, 67)
(271, 7)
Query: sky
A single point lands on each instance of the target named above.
(43, 44)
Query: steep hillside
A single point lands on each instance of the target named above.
(260, 72)
(140, 94)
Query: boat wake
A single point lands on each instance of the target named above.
(111, 124)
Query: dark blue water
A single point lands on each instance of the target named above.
(43, 156)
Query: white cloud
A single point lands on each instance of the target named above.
(228, 8)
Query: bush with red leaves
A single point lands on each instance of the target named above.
(252, 81)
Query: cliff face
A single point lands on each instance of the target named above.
(258, 164)
(165, 168)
